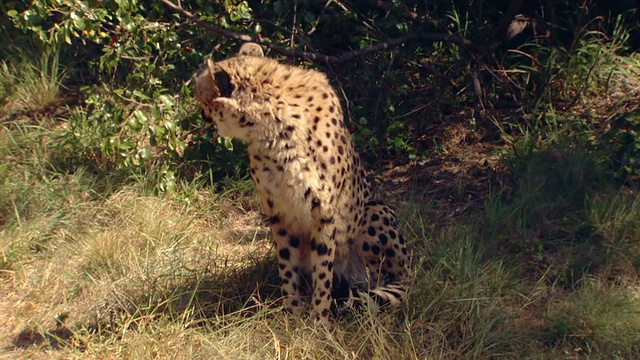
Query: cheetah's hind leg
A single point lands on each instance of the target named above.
(384, 251)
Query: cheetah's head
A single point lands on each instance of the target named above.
(219, 90)
(214, 83)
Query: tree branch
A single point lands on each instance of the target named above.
(317, 57)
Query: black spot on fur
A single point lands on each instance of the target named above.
(244, 123)
(315, 203)
(322, 249)
(383, 239)
(371, 231)
(294, 242)
(285, 254)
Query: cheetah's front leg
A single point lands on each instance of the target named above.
(323, 253)
(288, 252)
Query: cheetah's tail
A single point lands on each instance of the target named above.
(389, 295)
(392, 294)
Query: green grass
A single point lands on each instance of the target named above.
(30, 81)
(598, 318)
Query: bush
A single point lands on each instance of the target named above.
(136, 60)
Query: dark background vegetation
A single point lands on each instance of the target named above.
(508, 132)
(500, 62)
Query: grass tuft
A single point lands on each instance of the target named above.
(31, 81)
(596, 319)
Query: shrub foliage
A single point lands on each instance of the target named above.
(136, 59)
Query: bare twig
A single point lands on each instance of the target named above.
(300, 39)
(317, 57)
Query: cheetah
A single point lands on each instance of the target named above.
(323, 216)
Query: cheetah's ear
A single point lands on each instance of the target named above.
(210, 66)
(205, 84)
(251, 49)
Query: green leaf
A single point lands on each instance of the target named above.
(125, 146)
(78, 20)
(156, 113)
(227, 143)
(145, 154)
(166, 100)
(134, 124)
(142, 118)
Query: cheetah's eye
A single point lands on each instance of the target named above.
(223, 82)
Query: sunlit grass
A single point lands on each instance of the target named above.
(31, 80)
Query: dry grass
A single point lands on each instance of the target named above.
(122, 286)
(133, 276)
(118, 262)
